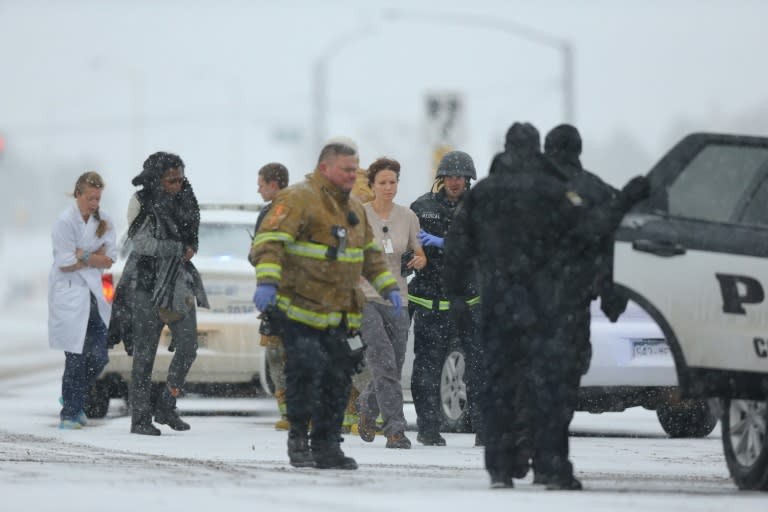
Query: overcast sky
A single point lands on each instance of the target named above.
(229, 84)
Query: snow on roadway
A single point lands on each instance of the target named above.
(232, 462)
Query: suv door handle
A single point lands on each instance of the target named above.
(663, 248)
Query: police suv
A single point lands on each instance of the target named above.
(694, 257)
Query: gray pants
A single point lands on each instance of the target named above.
(147, 327)
(386, 336)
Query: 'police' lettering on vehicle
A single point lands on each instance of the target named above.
(739, 290)
(761, 347)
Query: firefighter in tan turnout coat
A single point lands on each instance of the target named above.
(309, 254)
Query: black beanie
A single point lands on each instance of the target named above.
(563, 139)
(522, 136)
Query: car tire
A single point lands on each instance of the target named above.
(745, 442)
(689, 418)
(97, 401)
(454, 405)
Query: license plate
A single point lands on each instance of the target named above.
(241, 308)
(648, 348)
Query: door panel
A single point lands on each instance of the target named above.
(686, 254)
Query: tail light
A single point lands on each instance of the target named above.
(108, 287)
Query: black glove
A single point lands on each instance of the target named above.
(613, 304)
(637, 189)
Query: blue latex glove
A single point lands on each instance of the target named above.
(264, 296)
(394, 298)
(428, 240)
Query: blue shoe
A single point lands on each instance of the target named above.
(70, 425)
(82, 419)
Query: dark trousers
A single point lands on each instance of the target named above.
(147, 327)
(553, 382)
(569, 353)
(81, 370)
(508, 436)
(318, 378)
(531, 393)
(433, 332)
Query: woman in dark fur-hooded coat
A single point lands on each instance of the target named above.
(160, 286)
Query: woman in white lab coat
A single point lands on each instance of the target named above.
(84, 243)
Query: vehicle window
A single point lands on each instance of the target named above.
(224, 240)
(757, 210)
(712, 184)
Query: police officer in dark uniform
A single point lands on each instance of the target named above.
(512, 225)
(438, 318)
(589, 265)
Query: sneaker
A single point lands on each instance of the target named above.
(70, 425)
(145, 429)
(283, 423)
(366, 428)
(398, 441)
(82, 419)
(430, 439)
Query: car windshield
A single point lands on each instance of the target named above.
(224, 240)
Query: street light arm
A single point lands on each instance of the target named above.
(511, 27)
(562, 45)
(320, 80)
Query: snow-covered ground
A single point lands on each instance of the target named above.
(233, 459)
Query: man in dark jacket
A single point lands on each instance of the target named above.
(511, 225)
(589, 266)
(439, 318)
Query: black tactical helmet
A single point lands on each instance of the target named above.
(456, 163)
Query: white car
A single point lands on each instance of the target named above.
(631, 365)
(229, 354)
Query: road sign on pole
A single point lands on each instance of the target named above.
(446, 123)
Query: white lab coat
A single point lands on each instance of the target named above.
(69, 302)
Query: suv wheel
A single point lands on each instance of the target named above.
(689, 418)
(97, 401)
(745, 442)
(453, 393)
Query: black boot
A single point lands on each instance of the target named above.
(328, 455)
(166, 414)
(298, 448)
(430, 439)
(146, 429)
(563, 483)
(501, 480)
